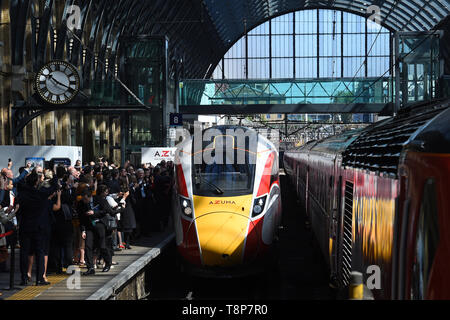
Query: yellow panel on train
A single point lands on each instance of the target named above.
(222, 224)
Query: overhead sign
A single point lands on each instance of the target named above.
(64, 161)
(156, 155)
(176, 119)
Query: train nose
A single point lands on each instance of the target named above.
(222, 237)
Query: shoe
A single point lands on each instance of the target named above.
(128, 247)
(99, 264)
(89, 272)
(25, 282)
(106, 268)
(114, 263)
(42, 283)
(117, 249)
(121, 246)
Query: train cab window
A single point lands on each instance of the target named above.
(215, 179)
(226, 171)
(427, 240)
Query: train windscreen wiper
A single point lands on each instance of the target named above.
(199, 179)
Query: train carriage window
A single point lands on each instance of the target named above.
(427, 240)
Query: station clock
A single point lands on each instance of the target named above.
(57, 82)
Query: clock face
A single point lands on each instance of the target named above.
(57, 82)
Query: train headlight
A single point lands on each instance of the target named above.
(186, 206)
(258, 205)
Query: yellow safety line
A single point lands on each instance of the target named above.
(33, 291)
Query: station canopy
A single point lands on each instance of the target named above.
(227, 21)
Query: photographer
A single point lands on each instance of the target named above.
(62, 235)
(109, 214)
(94, 221)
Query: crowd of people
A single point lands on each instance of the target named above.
(80, 215)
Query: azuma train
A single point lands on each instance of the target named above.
(378, 202)
(227, 204)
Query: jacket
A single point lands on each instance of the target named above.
(86, 221)
(34, 211)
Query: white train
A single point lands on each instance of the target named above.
(228, 203)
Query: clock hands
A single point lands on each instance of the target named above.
(50, 77)
(58, 82)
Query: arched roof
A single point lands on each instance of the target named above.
(201, 31)
(232, 18)
(397, 15)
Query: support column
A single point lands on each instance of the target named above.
(397, 74)
(124, 124)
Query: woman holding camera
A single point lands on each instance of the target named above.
(109, 220)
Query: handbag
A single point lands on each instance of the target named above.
(110, 222)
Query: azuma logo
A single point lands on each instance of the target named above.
(222, 202)
(163, 154)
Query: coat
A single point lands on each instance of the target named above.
(34, 213)
(128, 218)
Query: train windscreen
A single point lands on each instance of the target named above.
(224, 162)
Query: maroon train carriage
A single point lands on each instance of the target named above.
(378, 200)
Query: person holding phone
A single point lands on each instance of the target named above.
(33, 224)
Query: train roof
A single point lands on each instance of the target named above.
(423, 127)
(337, 143)
(379, 147)
(433, 137)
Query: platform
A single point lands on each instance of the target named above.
(100, 286)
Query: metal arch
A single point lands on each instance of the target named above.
(121, 28)
(419, 12)
(138, 20)
(20, 117)
(41, 46)
(98, 17)
(157, 27)
(76, 48)
(158, 16)
(262, 10)
(108, 24)
(184, 11)
(18, 13)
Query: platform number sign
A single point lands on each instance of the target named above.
(176, 119)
